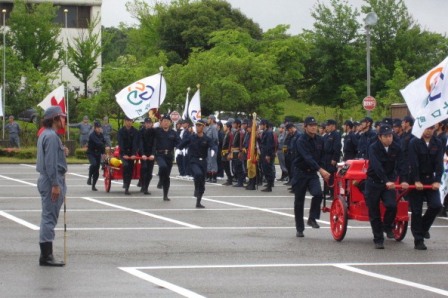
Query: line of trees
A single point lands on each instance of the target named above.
(240, 67)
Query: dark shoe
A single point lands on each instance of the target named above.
(142, 189)
(46, 256)
(94, 188)
(250, 187)
(299, 234)
(379, 245)
(227, 183)
(420, 245)
(159, 185)
(312, 222)
(139, 183)
(166, 199)
(89, 181)
(198, 205)
(238, 185)
(427, 235)
(390, 234)
(126, 192)
(287, 183)
(267, 189)
(443, 212)
(146, 192)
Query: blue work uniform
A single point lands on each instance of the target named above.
(267, 149)
(332, 152)
(52, 165)
(107, 131)
(146, 144)
(309, 159)
(128, 143)
(365, 140)
(14, 131)
(95, 148)
(350, 146)
(426, 164)
(384, 166)
(84, 130)
(212, 161)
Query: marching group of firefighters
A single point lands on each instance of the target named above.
(246, 153)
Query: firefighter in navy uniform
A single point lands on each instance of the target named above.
(267, 154)
(146, 144)
(290, 150)
(198, 145)
(308, 162)
(96, 147)
(350, 141)
(426, 161)
(236, 153)
(128, 144)
(386, 165)
(166, 139)
(367, 136)
(332, 152)
(226, 152)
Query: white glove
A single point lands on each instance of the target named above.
(212, 153)
(178, 152)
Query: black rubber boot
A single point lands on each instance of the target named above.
(95, 179)
(46, 256)
(268, 187)
(251, 184)
(214, 180)
(89, 181)
(198, 202)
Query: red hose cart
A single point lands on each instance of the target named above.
(113, 169)
(349, 203)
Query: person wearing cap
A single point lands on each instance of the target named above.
(146, 150)
(291, 152)
(13, 129)
(227, 142)
(199, 147)
(245, 146)
(211, 131)
(220, 173)
(332, 152)
(85, 128)
(128, 142)
(322, 130)
(281, 151)
(107, 131)
(267, 154)
(386, 164)
(308, 162)
(166, 139)
(237, 153)
(181, 156)
(350, 141)
(426, 161)
(367, 136)
(51, 164)
(397, 128)
(96, 148)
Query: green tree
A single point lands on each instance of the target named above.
(114, 42)
(83, 54)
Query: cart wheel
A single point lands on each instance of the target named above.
(400, 229)
(107, 179)
(338, 218)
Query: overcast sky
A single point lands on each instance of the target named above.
(430, 14)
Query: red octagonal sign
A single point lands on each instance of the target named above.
(369, 103)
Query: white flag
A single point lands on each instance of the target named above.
(427, 98)
(138, 98)
(185, 113)
(1, 102)
(55, 98)
(194, 109)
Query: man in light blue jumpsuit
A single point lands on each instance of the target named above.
(85, 128)
(14, 130)
(52, 166)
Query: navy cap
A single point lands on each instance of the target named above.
(397, 122)
(377, 123)
(356, 123)
(245, 121)
(148, 120)
(367, 119)
(264, 122)
(229, 123)
(385, 130)
(310, 120)
(200, 122)
(409, 119)
(166, 116)
(53, 112)
(349, 123)
(96, 123)
(387, 121)
(212, 117)
(331, 122)
(237, 121)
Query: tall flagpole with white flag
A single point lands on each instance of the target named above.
(185, 113)
(427, 98)
(194, 108)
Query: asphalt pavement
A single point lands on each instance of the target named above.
(242, 244)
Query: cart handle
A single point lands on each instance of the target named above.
(411, 186)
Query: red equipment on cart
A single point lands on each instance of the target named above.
(113, 169)
(349, 203)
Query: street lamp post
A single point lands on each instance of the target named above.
(4, 72)
(370, 20)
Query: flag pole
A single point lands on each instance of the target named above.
(185, 117)
(66, 87)
(160, 87)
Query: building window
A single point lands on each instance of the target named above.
(77, 16)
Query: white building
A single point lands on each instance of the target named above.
(79, 13)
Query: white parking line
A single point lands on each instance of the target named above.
(18, 180)
(142, 213)
(19, 221)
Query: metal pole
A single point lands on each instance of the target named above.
(4, 72)
(368, 62)
(66, 65)
(160, 86)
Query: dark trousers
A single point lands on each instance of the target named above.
(128, 168)
(288, 163)
(198, 170)
(186, 161)
(311, 183)
(165, 163)
(376, 192)
(267, 168)
(220, 165)
(238, 170)
(146, 169)
(94, 168)
(227, 170)
(180, 164)
(421, 224)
